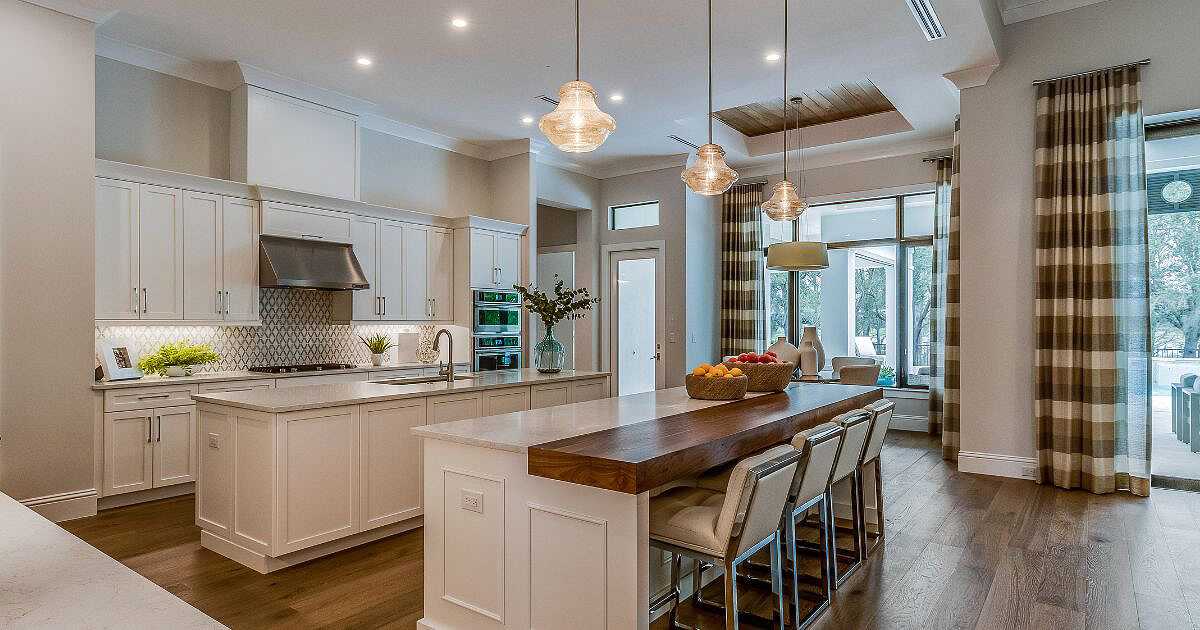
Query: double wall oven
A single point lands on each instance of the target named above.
(496, 330)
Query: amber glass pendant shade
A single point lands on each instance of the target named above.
(785, 203)
(577, 125)
(709, 174)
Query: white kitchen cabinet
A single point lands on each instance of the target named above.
(318, 477)
(239, 258)
(392, 261)
(236, 386)
(128, 456)
(591, 389)
(175, 449)
(441, 274)
(496, 402)
(508, 260)
(389, 453)
(321, 379)
(451, 407)
(549, 395)
(117, 283)
(495, 259)
(364, 235)
(416, 273)
(285, 219)
(160, 245)
(203, 289)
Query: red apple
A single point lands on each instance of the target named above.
(771, 353)
(741, 357)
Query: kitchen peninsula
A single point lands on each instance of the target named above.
(290, 474)
(540, 519)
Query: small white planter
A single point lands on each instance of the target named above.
(377, 359)
(179, 370)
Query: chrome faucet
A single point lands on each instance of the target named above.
(449, 352)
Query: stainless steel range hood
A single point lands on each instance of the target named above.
(309, 264)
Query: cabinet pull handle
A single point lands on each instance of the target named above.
(159, 430)
(316, 236)
(145, 300)
(150, 396)
(134, 301)
(385, 305)
(227, 301)
(220, 304)
(149, 429)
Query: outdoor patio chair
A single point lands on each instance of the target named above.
(1185, 380)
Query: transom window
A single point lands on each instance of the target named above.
(634, 215)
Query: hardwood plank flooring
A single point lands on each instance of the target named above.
(962, 551)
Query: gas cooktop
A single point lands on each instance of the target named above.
(304, 367)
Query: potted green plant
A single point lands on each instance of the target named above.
(549, 354)
(887, 376)
(378, 345)
(177, 359)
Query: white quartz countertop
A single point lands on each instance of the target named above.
(51, 579)
(519, 430)
(281, 400)
(246, 375)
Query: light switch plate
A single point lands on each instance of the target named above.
(214, 440)
(472, 501)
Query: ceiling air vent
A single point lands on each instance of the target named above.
(927, 19)
(682, 141)
(543, 97)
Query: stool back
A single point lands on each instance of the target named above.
(754, 500)
(818, 448)
(1187, 380)
(857, 424)
(859, 374)
(881, 413)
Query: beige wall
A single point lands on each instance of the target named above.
(997, 189)
(47, 289)
(567, 189)
(555, 226)
(152, 119)
(702, 281)
(406, 174)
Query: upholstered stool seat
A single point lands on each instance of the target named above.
(687, 517)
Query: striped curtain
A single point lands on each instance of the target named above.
(944, 320)
(742, 326)
(1091, 315)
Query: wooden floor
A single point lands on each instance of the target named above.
(962, 551)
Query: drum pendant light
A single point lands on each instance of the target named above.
(709, 174)
(577, 125)
(786, 203)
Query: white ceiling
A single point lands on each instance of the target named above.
(475, 84)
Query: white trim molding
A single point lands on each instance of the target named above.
(996, 464)
(64, 506)
(77, 8)
(218, 75)
(971, 77)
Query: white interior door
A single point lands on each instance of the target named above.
(562, 264)
(635, 292)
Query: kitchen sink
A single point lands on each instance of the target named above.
(417, 380)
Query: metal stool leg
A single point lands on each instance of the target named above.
(731, 603)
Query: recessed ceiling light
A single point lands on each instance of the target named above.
(528, 120)
(772, 56)
(616, 97)
(458, 23)
(363, 61)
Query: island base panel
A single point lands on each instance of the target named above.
(266, 564)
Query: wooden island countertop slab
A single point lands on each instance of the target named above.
(638, 457)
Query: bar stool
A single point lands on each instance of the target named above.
(1180, 424)
(857, 425)
(881, 412)
(728, 527)
(818, 448)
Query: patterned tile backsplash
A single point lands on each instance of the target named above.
(297, 327)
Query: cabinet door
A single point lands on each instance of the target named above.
(203, 293)
(285, 219)
(160, 241)
(441, 274)
(451, 407)
(175, 448)
(583, 391)
(416, 273)
(128, 454)
(483, 263)
(391, 270)
(317, 478)
(117, 289)
(239, 248)
(508, 260)
(390, 461)
(364, 235)
(505, 401)
(549, 395)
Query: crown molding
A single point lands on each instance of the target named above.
(420, 135)
(916, 148)
(77, 8)
(1041, 8)
(258, 77)
(971, 77)
(633, 166)
(217, 75)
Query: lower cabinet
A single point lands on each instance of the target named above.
(505, 401)
(549, 395)
(389, 452)
(149, 448)
(318, 477)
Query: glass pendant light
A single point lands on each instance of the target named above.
(709, 174)
(786, 203)
(577, 125)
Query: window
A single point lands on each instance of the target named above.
(874, 298)
(634, 215)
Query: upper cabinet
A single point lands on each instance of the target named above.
(495, 259)
(166, 254)
(285, 219)
(409, 267)
(286, 142)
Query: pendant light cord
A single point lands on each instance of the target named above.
(785, 93)
(710, 89)
(576, 40)
(800, 147)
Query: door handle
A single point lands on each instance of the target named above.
(220, 302)
(227, 301)
(159, 422)
(384, 298)
(145, 300)
(134, 301)
(149, 429)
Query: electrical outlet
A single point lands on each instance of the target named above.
(1028, 472)
(472, 501)
(214, 440)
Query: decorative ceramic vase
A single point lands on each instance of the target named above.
(812, 355)
(179, 370)
(785, 351)
(549, 353)
(425, 351)
(377, 359)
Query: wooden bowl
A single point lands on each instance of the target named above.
(716, 387)
(765, 377)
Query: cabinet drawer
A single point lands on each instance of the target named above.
(505, 401)
(451, 407)
(148, 397)
(591, 389)
(301, 381)
(236, 386)
(549, 395)
(283, 219)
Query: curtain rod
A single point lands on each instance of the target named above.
(1143, 62)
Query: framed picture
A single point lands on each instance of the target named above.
(118, 361)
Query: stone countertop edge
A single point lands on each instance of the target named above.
(288, 399)
(246, 375)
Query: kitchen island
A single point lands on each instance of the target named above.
(540, 519)
(286, 475)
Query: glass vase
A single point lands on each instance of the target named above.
(549, 354)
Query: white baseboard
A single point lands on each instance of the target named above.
(153, 494)
(919, 424)
(266, 564)
(64, 506)
(996, 464)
